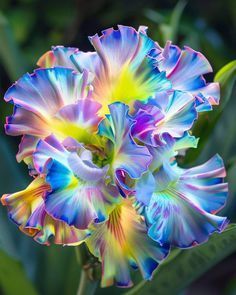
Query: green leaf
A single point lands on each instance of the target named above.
(188, 265)
(12, 277)
(175, 20)
(12, 177)
(170, 30)
(229, 209)
(226, 76)
(60, 263)
(168, 26)
(154, 16)
(10, 55)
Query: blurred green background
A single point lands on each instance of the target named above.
(27, 29)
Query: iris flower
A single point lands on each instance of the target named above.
(102, 133)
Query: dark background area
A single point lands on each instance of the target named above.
(31, 27)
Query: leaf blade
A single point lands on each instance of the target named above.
(12, 271)
(189, 265)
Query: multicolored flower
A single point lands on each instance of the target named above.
(55, 100)
(102, 132)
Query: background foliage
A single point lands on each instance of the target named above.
(27, 29)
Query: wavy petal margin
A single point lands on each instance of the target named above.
(58, 56)
(26, 208)
(79, 193)
(185, 69)
(182, 206)
(127, 156)
(172, 113)
(121, 67)
(121, 242)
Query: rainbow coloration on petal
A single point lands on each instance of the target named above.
(102, 135)
(126, 155)
(185, 69)
(52, 101)
(80, 191)
(181, 208)
(59, 56)
(168, 113)
(121, 65)
(27, 209)
(122, 242)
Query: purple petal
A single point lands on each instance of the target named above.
(127, 155)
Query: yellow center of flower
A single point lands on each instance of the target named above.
(126, 86)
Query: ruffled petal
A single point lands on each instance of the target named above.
(83, 113)
(58, 56)
(205, 184)
(185, 142)
(127, 44)
(26, 208)
(127, 155)
(47, 90)
(183, 202)
(175, 220)
(185, 69)
(168, 113)
(169, 148)
(81, 192)
(26, 147)
(47, 227)
(39, 97)
(167, 58)
(122, 70)
(21, 204)
(121, 242)
(75, 201)
(47, 149)
(187, 72)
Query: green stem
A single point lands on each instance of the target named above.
(86, 285)
(10, 53)
(90, 271)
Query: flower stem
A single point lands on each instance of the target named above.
(86, 285)
(90, 271)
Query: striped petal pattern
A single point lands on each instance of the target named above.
(79, 193)
(168, 113)
(185, 69)
(124, 232)
(127, 156)
(27, 209)
(181, 208)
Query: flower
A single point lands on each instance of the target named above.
(55, 100)
(102, 133)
